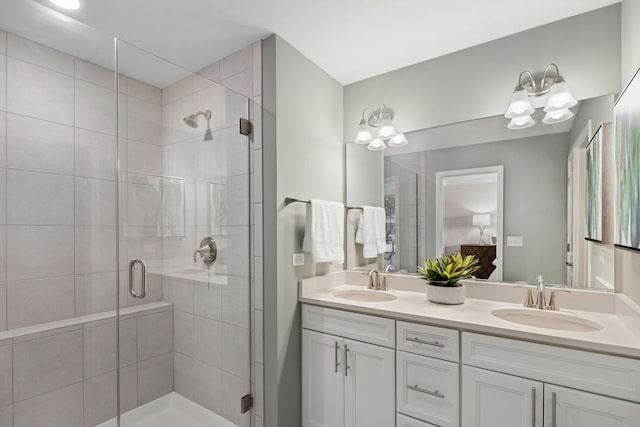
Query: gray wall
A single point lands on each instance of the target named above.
(478, 82)
(599, 110)
(304, 158)
(535, 200)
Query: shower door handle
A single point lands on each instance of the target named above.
(143, 281)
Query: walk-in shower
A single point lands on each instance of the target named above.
(184, 347)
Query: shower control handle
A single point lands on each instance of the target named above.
(143, 281)
(208, 251)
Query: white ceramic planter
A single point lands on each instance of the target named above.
(446, 295)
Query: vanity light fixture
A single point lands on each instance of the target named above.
(558, 102)
(380, 122)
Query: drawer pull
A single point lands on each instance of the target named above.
(336, 349)
(421, 390)
(419, 341)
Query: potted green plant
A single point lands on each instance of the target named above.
(443, 277)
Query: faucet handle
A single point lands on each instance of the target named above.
(528, 299)
(553, 300)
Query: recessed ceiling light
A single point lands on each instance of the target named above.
(68, 4)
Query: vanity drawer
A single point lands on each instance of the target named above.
(427, 389)
(360, 327)
(404, 421)
(599, 373)
(430, 341)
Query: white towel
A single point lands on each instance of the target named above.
(371, 231)
(324, 231)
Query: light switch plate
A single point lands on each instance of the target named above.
(297, 259)
(515, 241)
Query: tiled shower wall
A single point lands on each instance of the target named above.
(213, 321)
(57, 181)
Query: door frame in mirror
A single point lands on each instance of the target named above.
(499, 171)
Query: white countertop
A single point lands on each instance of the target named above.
(619, 318)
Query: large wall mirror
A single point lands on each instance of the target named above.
(515, 198)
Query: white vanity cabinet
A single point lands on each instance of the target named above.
(347, 382)
(514, 383)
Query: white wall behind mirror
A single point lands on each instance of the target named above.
(535, 217)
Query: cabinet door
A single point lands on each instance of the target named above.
(571, 408)
(369, 385)
(490, 399)
(322, 380)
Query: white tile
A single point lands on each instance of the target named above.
(179, 159)
(259, 229)
(20, 252)
(6, 376)
(233, 251)
(212, 99)
(3, 135)
(46, 364)
(237, 200)
(38, 92)
(144, 158)
(180, 89)
(143, 205)
(259, 422)
(174, 129)
(95, 108)
(155, 334)
(256, 119)
(3, 306)
(257, 68)
(3, 196)
(235, 350)
(155, 378)
(62, 407)
(208, 341)
(95, 202)
(235, 152)
(95, 155)
(235, 302)
(259, 283)
(207, 386)
(39, 145)
(241, 83)
(36, 301)
(28, 192)
(208, 302)
(3, 42)
(144, 121)
(258, 336)
(143, 91)
(257, 176)
(180, 294)
(3, 83)
(95, 292)
(35, 53)
(236, 62)
(183, 376)
(183, 333)
(99, 343)
(233, 389)
(95, 74)
(95, 249)
(100, 395)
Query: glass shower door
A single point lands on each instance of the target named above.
(184, 243)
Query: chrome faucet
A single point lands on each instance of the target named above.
(376, 284)
(541, 301)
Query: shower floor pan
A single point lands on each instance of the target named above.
(171, 410)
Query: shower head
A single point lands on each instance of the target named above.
(192, 119)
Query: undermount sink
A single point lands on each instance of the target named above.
(364, 295)
(546, 319)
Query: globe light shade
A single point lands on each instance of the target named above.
(557, 116)
(398, 141)
(364, 133)
(386, 130)
(520, 105)
(481, 220)
(376, 145)
(559, 97)
(521, 122)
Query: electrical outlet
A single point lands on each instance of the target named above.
(297, 259)
(515, 241)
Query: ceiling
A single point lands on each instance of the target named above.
(350, 39)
